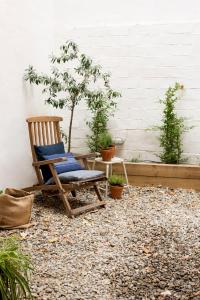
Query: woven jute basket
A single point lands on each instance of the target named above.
(15, 208)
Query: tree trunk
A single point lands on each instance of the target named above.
(70, 128)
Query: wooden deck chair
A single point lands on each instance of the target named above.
(45, 130)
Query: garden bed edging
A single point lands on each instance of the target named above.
(154, 174)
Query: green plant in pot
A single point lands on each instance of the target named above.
(116, 186)
(105, 142)
(14, 268)
(112, 148)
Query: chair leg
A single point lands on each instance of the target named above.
(73, 193)
(63, 197)
(98, 192)
(45, 195)
(98, 204)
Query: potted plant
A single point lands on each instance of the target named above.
(113, 148)
(105, 142)
(116, 186)
(14, 267)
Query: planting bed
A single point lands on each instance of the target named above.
(154, 174)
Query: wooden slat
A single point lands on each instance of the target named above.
(35, 133)
(47, 132)
(49, 161)
(96, 188)
(31, 141)
(79, 210)
(63, 194)
(162, 170)
(56, 178)
(175, 176)
(40, 134)
(81, 156)
(156, 170)
(41, 187)
(44, 119)
(43, 133)
(55, 132)
(81, 185)
(67, 186)
(51, 133)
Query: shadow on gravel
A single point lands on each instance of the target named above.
(166, 268)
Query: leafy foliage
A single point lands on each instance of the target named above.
(116, 180)
(102, 105)
(135, 160)
(75, 77)
(172, 128)
(105, 140)
(64, 136)
(14, 267)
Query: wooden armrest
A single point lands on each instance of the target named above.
(82, 156)
(48, 161)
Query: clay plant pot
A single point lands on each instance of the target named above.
(116, 191)
(106, 154)
(113, 149)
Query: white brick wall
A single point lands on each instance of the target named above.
(144, 61)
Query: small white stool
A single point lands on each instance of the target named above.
(114, 160)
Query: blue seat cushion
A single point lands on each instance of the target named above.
(77, 176)
(48, 150)
(71, 164)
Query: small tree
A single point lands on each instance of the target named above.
(74, 80)
(172, 128)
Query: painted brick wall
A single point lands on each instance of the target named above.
(144, 60)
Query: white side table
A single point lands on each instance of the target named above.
(108, 164)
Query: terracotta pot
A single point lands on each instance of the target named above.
(113, 149)
(106, 154)
(116, 191)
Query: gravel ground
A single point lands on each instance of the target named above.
(144, 246)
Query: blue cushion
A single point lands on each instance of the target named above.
(48, 150)
(77, 176)
(71, 164)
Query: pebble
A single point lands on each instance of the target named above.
(144, 246)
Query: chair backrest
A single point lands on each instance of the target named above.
(43, 130)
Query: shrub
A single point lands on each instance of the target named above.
(172, 128)
(116, 180)
(14, 267)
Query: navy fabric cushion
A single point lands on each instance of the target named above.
(48, 150)
(71, 164)
(77, 176)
